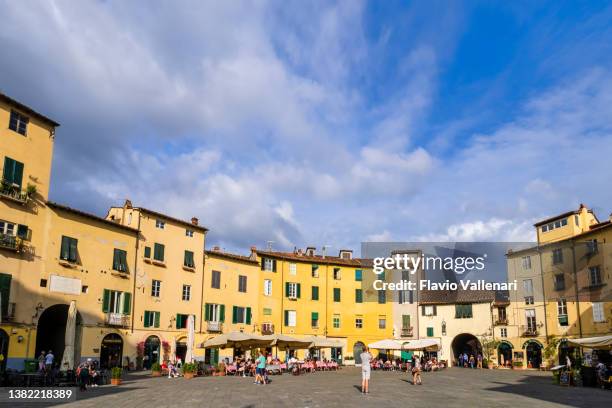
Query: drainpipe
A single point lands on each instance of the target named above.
(576, 289)
(203, 283)
(282, 316)
(543, 293)
(135, 272)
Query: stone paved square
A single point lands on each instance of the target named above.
(453, 387)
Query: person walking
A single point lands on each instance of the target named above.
(49, 361)
(260, 369)
(479, 360)
(366, 357)
(41, 361)
(416, 373)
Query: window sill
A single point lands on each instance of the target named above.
(155, 262)
(594, 287)
(68, 264)
(189, 268)
(120, 274)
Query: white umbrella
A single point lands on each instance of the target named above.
(323, 342)
(190, 336)
(68, 356)
(237, 339)
(285, 342)
(387, 344)
(422, 344)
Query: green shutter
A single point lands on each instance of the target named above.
(73, 249)
(179, 321)
(234, 314)
(22, 231)
(106, 301)
(222, 314)
(286, 289)
(146, 318)
(263, 263)
(156, 316)
(274, 265)
(116, 260)
(207, 312)
(358, 296)
(286, 318)
(147, 252)
(315, 293)
(188, 261)
(127, 303)
(406, 321)
(358, 275)
(430, 332)
(8, 170)
(65, 249)
(336, 294)
(299, 290)
(18, 175)
(248, 315)
(158, 252)
(315, 315)
(5, 291)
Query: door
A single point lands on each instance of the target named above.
(151, 351)
(111, 351)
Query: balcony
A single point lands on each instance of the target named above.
(407, 332)
(13, 193)
(13, 243)
(528, 331)
(500, 321)
(267, 328)
(214, 327)
(117, 319)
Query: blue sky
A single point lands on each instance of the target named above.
(323, 123)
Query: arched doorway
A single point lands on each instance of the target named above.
(181, 349)
(566, 350)
(466, 343)
(151, 351)
(533, 352)
(111, 351)
(51, 333)
(504, 353)
(4, 344)
(357, 350)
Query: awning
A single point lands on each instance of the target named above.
(387, 344)
(323, 342)
(284, 342)
(600, 342)
(421, 344)
(238, 340)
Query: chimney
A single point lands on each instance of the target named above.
(194, 220)
(253, 253)
(310, 251)
(127, 204)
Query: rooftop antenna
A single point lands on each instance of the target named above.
(270, 245)
(324, 249)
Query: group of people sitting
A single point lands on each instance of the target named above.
(172, 368)
(247, 366)
(88, 374)
(426, 363)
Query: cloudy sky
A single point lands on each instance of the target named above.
(308, 123)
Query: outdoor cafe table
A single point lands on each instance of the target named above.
(272, 368)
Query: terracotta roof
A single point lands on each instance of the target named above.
(441, 297)
(177, 220)
(317, 259)
(90, 216)
(26, 109)
(234, 257)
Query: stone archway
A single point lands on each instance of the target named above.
(152, 351)
(533, 353)
(466, 343)
(111, 351)
(51, 333)
(504, 353)
(357, 350)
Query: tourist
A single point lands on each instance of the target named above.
(41, 361)
(479, 360)
(366, 357)
(465, 360)
(472, 361)
(260, 369)
(49, 361)
(83, 376)
(416, 372)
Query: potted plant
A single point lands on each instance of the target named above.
(190, 370)
(116, 373)
(30, 190)
(155, 370)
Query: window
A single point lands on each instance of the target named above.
(186, 292)
(336, 294)
(189, 233)
(559, 281)
(529, 300)
(292, 290)
(577, 220)
(554, 225)
(314, 320)
(526, 262)
(241, 315)
(13, 172)
(358, 295)
(214, 312)
(405, 322)
(336, 321)
(290, 318)
(557, 255)
(68, 251)
(147, 252)
(315, 271)
(429, 310)
(267, 287)
(188, 259)
(592, 247)
(43, 283)
(160, 224)
(242, 283)
(405, 296)
(84, 289)
(501, 314)
(158, 252)
(114, 301)
(151, 319)
(359, 322)
(268, 264)
(562, 312)
(528, 287)
(503, 332)
(292, 269)
(181, 321)
(382, 322)
(598, 312)
(430, 332)
(382, 297)
(18, 122)
(337, 273)
(463, 311)
(315, 293)
(155, 288)
(267, 311)
(120, 260)
(358, 275)
(216, 280)
(531, 320)
(594, 276)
